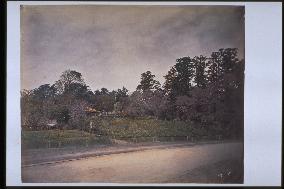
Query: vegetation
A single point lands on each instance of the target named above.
(142, 129)
(200, 95)
(60, 138)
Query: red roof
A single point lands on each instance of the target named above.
(91, 110)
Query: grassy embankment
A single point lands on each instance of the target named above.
(135, 130)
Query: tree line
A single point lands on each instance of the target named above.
(204, 91)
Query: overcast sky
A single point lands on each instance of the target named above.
(112, 45)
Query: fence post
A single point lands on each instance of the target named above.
(48, 143)
(86, 142)
(186, 138)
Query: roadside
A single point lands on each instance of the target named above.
(57, 155)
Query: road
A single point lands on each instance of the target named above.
(147, 166)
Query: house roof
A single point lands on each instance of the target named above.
(91, 110)
(51, 123)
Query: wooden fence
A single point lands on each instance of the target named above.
(105, 140)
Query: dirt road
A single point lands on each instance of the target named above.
(149, 166)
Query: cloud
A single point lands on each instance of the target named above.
(112, 45)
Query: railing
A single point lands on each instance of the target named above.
(106, 140)
(156, 139)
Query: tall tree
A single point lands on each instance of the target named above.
(104, 100)
(180, 78)
(148, 82)
(136, 105)
(44, 91)
(213, 68)
(185, 75)
(120, 94)
(37, 105)
(67, 78)
(104, 91)
(200, 77)
(78, 116)
(170, 81)
(121, 100)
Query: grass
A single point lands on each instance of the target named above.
(143, 127)
(60, 138)
(139, 129)
(54, 134)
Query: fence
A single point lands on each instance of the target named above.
(169, 138)
(105, 140)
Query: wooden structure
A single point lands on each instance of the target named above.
(92, 111)
(51, 124)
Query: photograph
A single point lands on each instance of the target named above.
(133, 94)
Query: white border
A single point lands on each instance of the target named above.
(262, 97)
(124, 3)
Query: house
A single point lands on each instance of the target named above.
(51, 124)
(92, 111)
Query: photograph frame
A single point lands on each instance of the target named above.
(17, 141)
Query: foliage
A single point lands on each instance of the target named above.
(148, 82)
(125, 127)
(67, 78)
(206, 92)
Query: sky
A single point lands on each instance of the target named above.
(111, 45)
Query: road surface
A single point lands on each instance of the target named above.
(170, 165)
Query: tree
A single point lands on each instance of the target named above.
(200, 77)
(184, 106)
(44, 92)
(208, 92)
(148, 82)
(104, 91)
(225, 75)
(157, 103)
(104, 100)
(121, 100)
(120, 94)
(78, 91)
(199, 108)
(62, 114)
(232, 83)
(135, 107)
(185, 73)
(32, 116)
(67, 78)
(36, 106)
(78, 116)
(170, 81)
(179, 79)
(213, 68)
